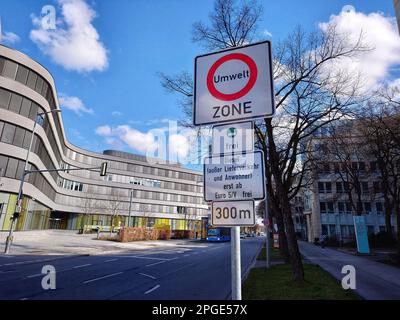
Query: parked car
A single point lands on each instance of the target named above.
(242, 236)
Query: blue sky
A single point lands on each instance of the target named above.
(119, 85)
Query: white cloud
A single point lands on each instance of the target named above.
(152, 142)
(9, 37)
(116, 114)
(379, 32)
(75, 43)
(74, 104)
(267, 33)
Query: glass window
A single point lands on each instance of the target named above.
(3, 165)
(25, 107)
(1, 127)
(15, 103)
(10, 69)
(330, 207)
(39, 85)
(11, 168)
(8, 133)
(19, 137)
(4, 98)
(20, 169)
(322, 206)
(321, 187)
(367, 207)
(44, 88)
(339, 187)
(22, 74)
(379, 207)
(2, 62)
(27, 139)
(31, 80)
(33, 112)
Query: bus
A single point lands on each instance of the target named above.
(218, 234)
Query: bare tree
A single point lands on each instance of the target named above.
(88, 204)
(310, 94)
(114, 206)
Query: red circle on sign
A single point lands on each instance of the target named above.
(236, 95)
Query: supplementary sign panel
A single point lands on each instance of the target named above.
(233, 214)
(233, 137)
(234, 84)
(234, 177)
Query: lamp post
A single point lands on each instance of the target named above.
(21, 184)
(130, 205)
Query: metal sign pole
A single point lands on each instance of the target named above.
(235, 264)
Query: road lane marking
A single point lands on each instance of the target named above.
(82, 266)
(152, 289)
(111, 260)
(143, 257)
(147, 275)
(155, 263)
(186, 255)
(104, 277)
(34, 275)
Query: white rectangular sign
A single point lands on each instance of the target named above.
(234, 84)
(233, 214)
(234, 177)
(233, 137)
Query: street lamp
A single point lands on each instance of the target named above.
(22, 180)
(130, 205)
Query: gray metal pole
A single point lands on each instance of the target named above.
(130, 206)
(20, 194)
(267, 239)
(236, 272)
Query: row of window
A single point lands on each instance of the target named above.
(15, 71)
(154, 183)
(70, 185)
(14, 168)
(346, 207)
(336, 167)
(343, 187)
(123, 206)
(21, 137)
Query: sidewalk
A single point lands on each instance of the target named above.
(374, 280)
(69, 242)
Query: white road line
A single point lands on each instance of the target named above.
(147, 275)
(143, 257)
(35, 275)
(186, 255)
(82, 266)
(153, 264)
(107, 276)
(23, 299)
(152, 289)
(111, 260)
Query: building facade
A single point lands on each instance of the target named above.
(163, 194)
(345, 182)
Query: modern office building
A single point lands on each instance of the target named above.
(164, 194)
(327, 205)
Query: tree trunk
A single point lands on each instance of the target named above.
(283, 245)
(294, 252)
(388, 214)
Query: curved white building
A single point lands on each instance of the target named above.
(163, 194)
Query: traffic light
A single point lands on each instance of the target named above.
(103, 169)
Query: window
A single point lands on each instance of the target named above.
(11, 168)
(373, 166)
(339, 187)
(367, 207)
(19, 137)
(25, 107)
(364, 187)
(3, 165)
(321, 187)
(10, 69)
(325, 187)
(22, 74)
(326, 168)
(377, 186)
(330, 207)
(15, 103)
(348, 207)
(341, 207)
(336, 167)
(4, 98)
(361, 166)
(34, 111)
(39, 85)
(379, 207)
(31, 80)
(8, 133)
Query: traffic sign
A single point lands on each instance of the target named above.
(234, 84)
(233, 214)
(233, 137)
(233, 177)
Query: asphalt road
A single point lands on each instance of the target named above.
(198, 271)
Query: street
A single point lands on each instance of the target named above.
(200, 271)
